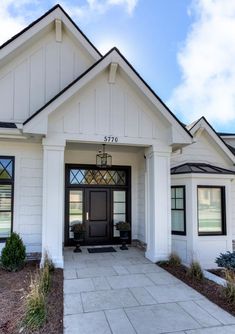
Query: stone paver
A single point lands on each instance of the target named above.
(160, 318)
(123, 292)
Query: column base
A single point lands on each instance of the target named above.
(156, 257)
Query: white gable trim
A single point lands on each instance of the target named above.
(113, 56)
(202, 125)
(41, 24)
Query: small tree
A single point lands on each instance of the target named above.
(13, 254)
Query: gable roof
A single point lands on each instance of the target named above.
(26, 30)
(114, 55)
(199, 168)
(223, 145)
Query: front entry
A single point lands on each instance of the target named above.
(98, 198)
(98, 215)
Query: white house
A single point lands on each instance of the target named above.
(61, 100)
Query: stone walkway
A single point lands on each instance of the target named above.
(124, 293)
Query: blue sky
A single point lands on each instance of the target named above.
(182, 48)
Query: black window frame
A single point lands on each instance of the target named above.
(12, 183)
(184, 232)
(223, 211)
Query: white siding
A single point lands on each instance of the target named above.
(101, 108)
(37, 74)
(27, 192)
(203, 150)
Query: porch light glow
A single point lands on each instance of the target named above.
(103, 159)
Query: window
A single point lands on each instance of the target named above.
(211, 210)
(6, 196)
(119, 209)
(178, 222)
(97, 177)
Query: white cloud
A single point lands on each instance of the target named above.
(17, 14)
(14, 16)
(207, 62)
(92, 8)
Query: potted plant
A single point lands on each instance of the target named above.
(124, 229)
(78, 230)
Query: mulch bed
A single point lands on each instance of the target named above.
(13, 288)
(207, 288)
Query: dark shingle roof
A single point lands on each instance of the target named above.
(201, 168)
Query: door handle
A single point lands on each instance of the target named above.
(87, 215)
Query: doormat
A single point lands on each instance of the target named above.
(101, 250)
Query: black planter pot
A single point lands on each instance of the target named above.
(124, 237)
(78, 238)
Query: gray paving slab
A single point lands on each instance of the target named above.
(72, 303)
(124, 292)
(101, 283)
(142, 296)
(129, 281)
(199, 314)
(173, 293)
(78, 285)
(118, 322)
(109, 299)
(221, 315)
(86, 323)
(70, 274)
(120, 269)
(161, 318)
(214, 330)
(144, 268)
(163, 278)
(95, 271)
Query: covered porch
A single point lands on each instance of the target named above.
(133, 189)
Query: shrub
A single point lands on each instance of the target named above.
(226, 260)
(195, 271)
(13, 254)
(229, 290)
(174, 259)
(35, 310)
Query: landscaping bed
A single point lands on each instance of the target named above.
(219, 272)
(13, 289)
(209, 289)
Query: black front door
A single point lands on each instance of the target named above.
(99, 199)
(97, 215)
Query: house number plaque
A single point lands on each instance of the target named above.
(110, 139)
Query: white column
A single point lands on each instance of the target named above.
(53, 201)
(158, 204)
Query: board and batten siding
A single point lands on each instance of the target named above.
(38, 73)
(100, 108)
(203, 150)
(27, 218)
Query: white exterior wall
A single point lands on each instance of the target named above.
(204, 249)
(38, 73)
(203, 150)
(27, 219)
